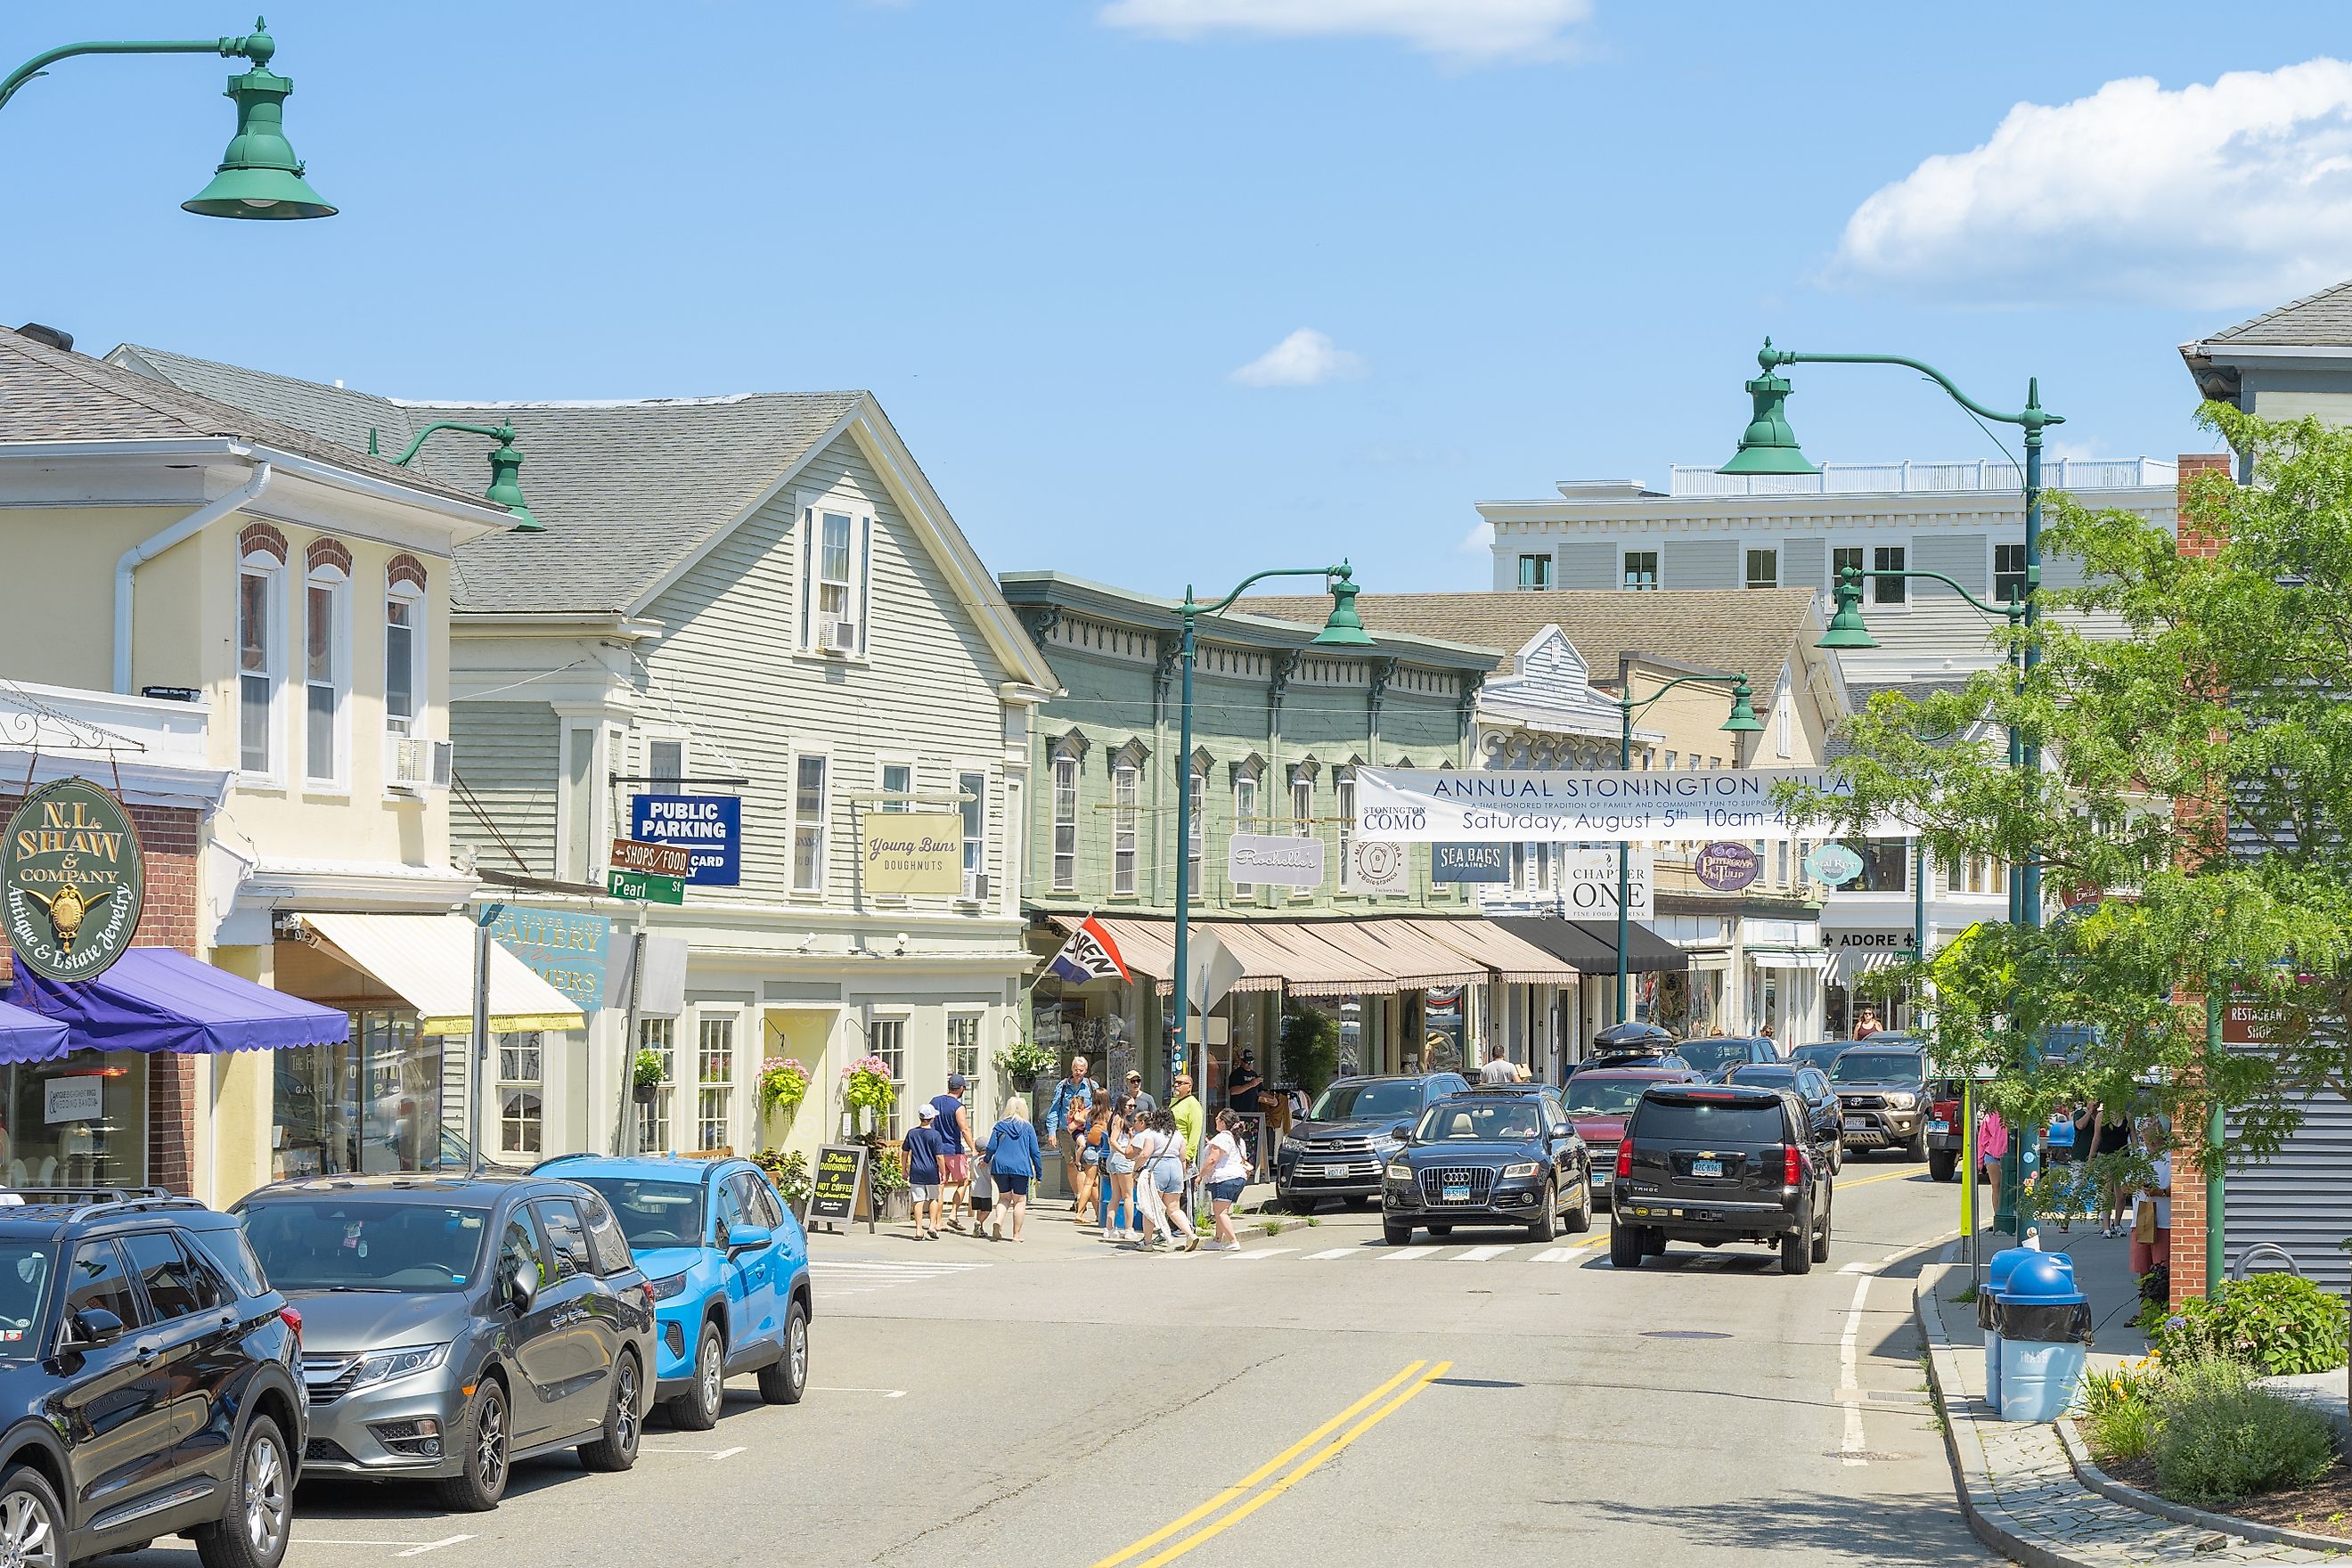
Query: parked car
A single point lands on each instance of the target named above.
(1504, 1155)
(1944, 1131)
(454, 1325)
(1630, 1044)
(1598, 1103)
(1824, 1114)
(729, 1270)
(1884, 1089)
(1714, 1057)
(150, 1382)
(1714, 1163)
(1352, 1128)
(1818, 1053)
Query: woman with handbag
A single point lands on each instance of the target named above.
(2151, 1232)
(1166, 1168)
(1014, 1162)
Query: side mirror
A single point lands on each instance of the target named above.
(748, 1239)
(522, 1286)
(1402, 1129)
(94, 1326)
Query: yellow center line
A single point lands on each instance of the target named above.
(1255, 1477)
(1886, 1176)
(1299, 1472)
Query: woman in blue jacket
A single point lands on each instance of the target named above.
(1014, 1162)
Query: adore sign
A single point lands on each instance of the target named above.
(72, 879)
(1438, 806)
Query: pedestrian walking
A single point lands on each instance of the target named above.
(1144, 1104)
(1167, 1164)
(1014, 1162)
(1498, 1070)
(954, 1124)
(1225, 1171)
(2151, 1231)
(1118, 1216)
(1191, 1122)
(1992, 1141)
(1074, 1087)
(1086, 1167)
(2114, 1139)
(924, 1148)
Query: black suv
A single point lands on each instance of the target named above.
(1506, 1154)
(148, 1383)
(1355, 1124)
(1712, 1163)
(1883, 1091)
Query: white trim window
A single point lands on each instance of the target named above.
(1065, 823)
(260, 661)
(1126, 791)
(1302, 803)
(837, 557)
(1889, 590)
(898, 779)
(522, 1093)
(404, 660)
(326, 675)
(886, 1037)
(963, 1045)
(2007, 573)
(1641, 569)
(1842, 557)
(1196, 833)
(973, 810)
(666, 760)
(1246, 821)
(1784, 707)
(811, 773)
(658, 1035)
(1763, 568)
(1343, 807)
(714, 1079)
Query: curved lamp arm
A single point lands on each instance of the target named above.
(1850, 581)
(506, 466)
(1192, 608)
(258, 48)
(1630, 706)
(2033, 420)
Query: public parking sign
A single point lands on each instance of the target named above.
(711, 826)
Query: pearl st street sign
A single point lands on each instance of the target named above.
(645, 889)
(72, 880)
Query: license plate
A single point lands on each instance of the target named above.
(1457, 1193)
(1707, 1167)
(1940, 1127)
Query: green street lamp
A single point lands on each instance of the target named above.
(258, 176)
(1741, 721)
(506, 468)
(1343, 627)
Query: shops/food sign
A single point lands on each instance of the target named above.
(1470, 862)
(645, 890)
(835, 1182)
(1588, 883)
(565, 949)
(1447, 806)
(1727, 868)
(1375, 868)
(912, 854)
(709, 825)
(653, 859)
(1275, 860)
(72, 879)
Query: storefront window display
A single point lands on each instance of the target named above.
(78, 1122)
(1446, 1029)
(372, 1103)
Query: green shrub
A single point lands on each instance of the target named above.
(2118, 1413)
(1310, 1046)
(2274, 1322)
(2224, 1439)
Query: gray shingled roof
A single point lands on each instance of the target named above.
(2316, 321)
(625, 490)
(1744, 630)
(55, 394)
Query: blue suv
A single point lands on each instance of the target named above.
(729, 1270)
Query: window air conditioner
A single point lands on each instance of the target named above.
(419, 764)
(841, 637)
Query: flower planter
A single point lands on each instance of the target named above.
(898, 1205)
(645, 1093)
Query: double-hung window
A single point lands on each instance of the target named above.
(1302, 804)
(835, 564)
(963, 1044)
(1193, 832)
(326, 674)
(974, 808)
(1066, 824)
(1244, 821)
(1763, 568)
(1343, 807)
(1641, 568)
(1842, 559)
(260, 661)
(658, 1035)
(714, 1073)
(887, 1039)
(809, 807)
(2008, 574)
(1126, 784)
(403, 659)
(1535, 572)
(1887, 590)
(520, 1114)
(666, 761)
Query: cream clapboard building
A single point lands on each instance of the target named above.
(758, 597)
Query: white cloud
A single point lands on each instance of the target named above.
(1479, 541)
(2235, 192)
(1305, 358)
(1470, 31)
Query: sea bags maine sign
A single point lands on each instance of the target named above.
(1438, 806)
(72, 877)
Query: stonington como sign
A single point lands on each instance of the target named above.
(72, 877)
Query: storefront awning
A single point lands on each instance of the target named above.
(1590, 946)
(1514, 961)
(1845, 968)
(30, 1038)
(1788, 958)
(1279, 954)
(155, 999)
(429, 961)
(1401, 948)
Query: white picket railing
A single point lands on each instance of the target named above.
(1897, 477)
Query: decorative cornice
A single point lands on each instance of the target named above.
(1286, 663)
(1383, 672)
(1039, 620)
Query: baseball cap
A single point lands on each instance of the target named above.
(955, 1080)
(926, 1112)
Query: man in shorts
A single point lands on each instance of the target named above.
(922, 1146)
(954, 1125)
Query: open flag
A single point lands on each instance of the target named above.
(1089, 955)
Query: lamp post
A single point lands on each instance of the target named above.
(1343, 628)
(258, 176)
(506, 466)
(1742, 721)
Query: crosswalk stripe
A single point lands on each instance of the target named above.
(1334, 1252)
(1477, 1254)
(1412, 1253)
(1556, 1254)
(1265, 1252)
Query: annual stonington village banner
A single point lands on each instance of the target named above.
(1440, 805)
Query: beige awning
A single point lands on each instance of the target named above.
(1511, 959)
(428, 960)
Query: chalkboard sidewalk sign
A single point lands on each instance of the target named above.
(837, 1186)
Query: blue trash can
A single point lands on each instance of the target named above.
(2045, 1328)
(1996, 1280)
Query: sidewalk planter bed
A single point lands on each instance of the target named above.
(2273, 1323)
(2198, 1432)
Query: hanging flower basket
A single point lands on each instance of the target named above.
(783, 1084)
(868, 1095)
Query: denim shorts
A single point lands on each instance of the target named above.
(1167, 1177)
(1119, 1164)
(1226, 1191)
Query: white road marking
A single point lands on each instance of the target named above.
(1849, 1392)
(432, 1546)
(712, 1455)
(1334, 1252)
(414, 1549)
(885, 1393)
(1412, 1253)
(1559, 1254)
(1260, 1252)
(1477, 1254)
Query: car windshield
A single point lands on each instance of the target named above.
(1708, 1056)
(334, 1244)
(26, 1269)
(653, 1213)
(1607, 1096)
(1397, 1098)
(1877, 1066)
(1766, 1074)
(1511, 1120)
(1821, 1054)
(1708, 1122)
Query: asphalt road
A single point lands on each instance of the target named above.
(1317, 1398)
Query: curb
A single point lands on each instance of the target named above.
(1939, 1346)
(2087, 1471)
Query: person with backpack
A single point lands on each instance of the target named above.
(1073, 1092)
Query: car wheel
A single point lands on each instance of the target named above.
(1822, 1240)
(615, 1447)
(1943, 1165)
(1624, 1246)
(1917, 1148)
(1837, 1155)
(482, 1440)
(1547, 1222)
(785, 1379)
(1797, 1250)
(1580, 1218)
(251, 1532)
(32, 1520)
(1396, 1235)
(697, 1410)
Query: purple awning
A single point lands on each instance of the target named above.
(30, 1038)
(156, 999)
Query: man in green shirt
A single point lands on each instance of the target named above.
(1192, 1118)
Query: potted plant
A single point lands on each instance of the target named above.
(790, 1173)
(868, 1095)
(646, 1075)
(1023, 1062)
(888, 1174)
(783, 1084)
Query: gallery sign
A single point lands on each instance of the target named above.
(1440, 806)
(1275, 860)
(711, 826)
(72, 879)
(563, 948)
(912, 854)
(1470, 862)
(1588, 883)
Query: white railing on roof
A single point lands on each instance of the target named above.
(1889, 478)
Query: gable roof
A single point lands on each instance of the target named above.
(1754, 631)
(55, 394)
(628, 490)
(2316, 321)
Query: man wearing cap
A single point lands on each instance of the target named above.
(954, 1127)
(923, 1149)
(1144, 1103)
(1241, 1089)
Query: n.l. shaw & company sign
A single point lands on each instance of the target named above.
(72, 877)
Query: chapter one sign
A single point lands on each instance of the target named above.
(1440, 805)
(72, 879)
(1588, 883)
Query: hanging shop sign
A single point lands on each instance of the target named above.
(639, 888)
(1440, 805)
(711, 826)
(1727, 868)
(912, 853)
(563, 948)
(1833, 863)
(1588, 883)
(72, 879)
(1470, 862)
(653, 859)
(1375, 868)
(1275, 860)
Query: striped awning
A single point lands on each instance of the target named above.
(428, 960)
(1506, 957)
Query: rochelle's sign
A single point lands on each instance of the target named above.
(1440, 805)
(72, 879)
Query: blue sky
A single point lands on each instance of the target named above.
(1486, 244)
